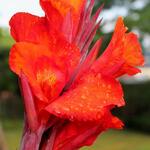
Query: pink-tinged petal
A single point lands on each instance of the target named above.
(25, 27)
(89, 28)
(124, 49)
(86, 25)
(31, 113)
(82, 64)
(67, 27)
(91, 57)
(93, 54)
(89, 38)
(88, 98)
(85, 63)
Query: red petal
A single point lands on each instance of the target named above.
(28, 28)
(68, 52)
(92, 54)
(124, 48)
(85, 62)
(56, 10)
(89, 30)
(50, 77)
(53, 15)
(27, 57)
(88, 99)
(90, 58)
(24, 58)
(74, 135)
(63, 6)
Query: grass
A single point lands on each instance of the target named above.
(6, 40)
(121, 140)
(13, 131)
(111, 140)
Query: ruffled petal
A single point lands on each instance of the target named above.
(23, 57)
(88, 99)
(39, 62)
(57, 10)
(74, 135)
(26, 27)
(122, 55)
(46, 78)
(53, 16)
(62, 6)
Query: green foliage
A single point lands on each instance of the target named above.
(137, 110)
(13, 131)
(10, 103)
(8, 80)
(5, 40)
(121, 140)
(139, 19)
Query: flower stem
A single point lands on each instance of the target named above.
(31, 139)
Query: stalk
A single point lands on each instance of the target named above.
(31, 139)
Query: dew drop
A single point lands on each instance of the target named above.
(83, 97)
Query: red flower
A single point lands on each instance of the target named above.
(69, 92)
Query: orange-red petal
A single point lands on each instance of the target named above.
(56, 11)
(22, 59)
(123, 53)
(23, 56)
(69, 53)
(50, 77)
(63, 6)
(88, 99)
(26, 27)
(38, 62)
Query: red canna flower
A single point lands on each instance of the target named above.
(69, 92)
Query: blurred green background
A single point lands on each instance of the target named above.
(136, 113)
